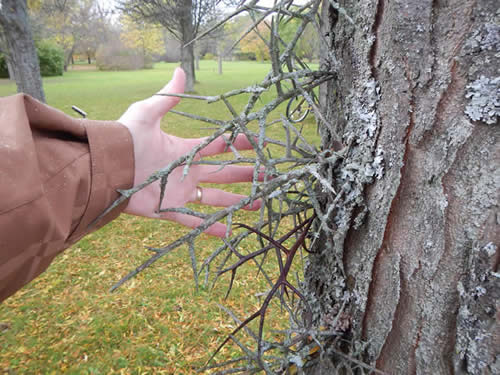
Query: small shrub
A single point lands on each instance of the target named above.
(4, 71)
(115, 56)
(209, 56)
(50, 56)
(51, 59)
(245, 56)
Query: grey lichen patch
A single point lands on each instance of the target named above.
(479, 295)
(485, 39)
(491, 37)
(378, 166)
(362, 164)
(484, 100)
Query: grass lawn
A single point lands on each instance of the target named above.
(66, 321)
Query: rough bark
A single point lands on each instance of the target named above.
(414, 253)
(69, 58)
(187, 63)
(22, 52)
(187, 52)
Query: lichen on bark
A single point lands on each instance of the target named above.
(401, 242)
(479, 293)
(484, 100)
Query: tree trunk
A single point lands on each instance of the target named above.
(187, 52)
(325, 46)
(22, 52)
(187, 63)
(408, 275)
(197, 62)
(69, 58)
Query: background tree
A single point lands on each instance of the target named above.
(4, 53)
(22, 54)
(99, 30)
(223, 41)
(183, 19)
(217, 43)
(410, 265)
(254, 42)
(75, 25)
(142, 36)
(308, 44)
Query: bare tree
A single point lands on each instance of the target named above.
(182, 18)
(78, 26)
(22, 55)
(95, 29)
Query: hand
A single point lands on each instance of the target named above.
(154, 149)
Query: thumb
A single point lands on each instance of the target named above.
(160, 105)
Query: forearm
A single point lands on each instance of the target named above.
(57, 175)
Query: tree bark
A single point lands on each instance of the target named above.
(187, 63)
(22, 51)
(408, 275)
(187, 52)
(69, 58)
(328, 19)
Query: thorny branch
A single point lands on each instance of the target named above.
(294, 193)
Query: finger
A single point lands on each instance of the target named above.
(221, 198)
(219, 145)
(160, 105)
(228, 174)
(216, 229)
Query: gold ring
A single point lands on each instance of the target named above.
(199, 194)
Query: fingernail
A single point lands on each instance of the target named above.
(255, 205)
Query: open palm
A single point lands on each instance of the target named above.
(154, 149)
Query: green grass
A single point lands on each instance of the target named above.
(66, 321)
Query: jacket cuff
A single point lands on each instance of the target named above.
(112, 168)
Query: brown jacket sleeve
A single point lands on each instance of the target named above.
(57, 174)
